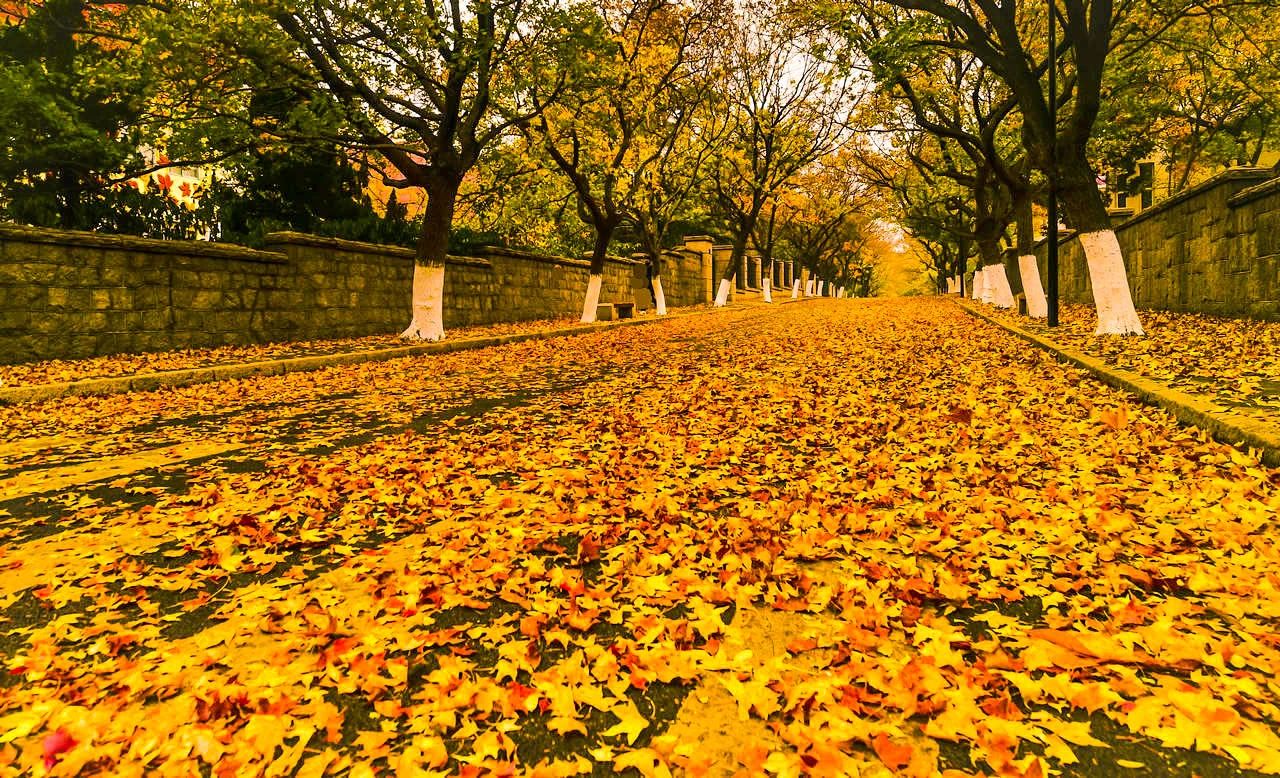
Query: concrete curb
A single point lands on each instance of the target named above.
(1232, 429)
(143, 382)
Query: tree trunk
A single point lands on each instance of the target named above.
(999, 289)
(1078, 191)
(795, 289)
(1028, 270)
(766, 282)
(655, 283)
(599, 253)
(995, 284)
(428, 264)
(731, 270)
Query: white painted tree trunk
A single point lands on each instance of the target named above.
(988, 285)
(428, 303)
(590, 304)
(722, 294)
(955, 287)
(821, 285)
(659, 297)
(1001, 291)
(1111, 294)
(951, 285)
(1037, 303)
(976, 283)
(766, 290)
(795, 289)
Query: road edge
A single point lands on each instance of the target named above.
(143, 382)
(1188, 409)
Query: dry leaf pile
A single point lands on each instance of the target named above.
(64, 370)
(522, 561)
(1236, 362)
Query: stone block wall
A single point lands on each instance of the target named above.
(683, 278)
(1214, 248)
(66, 295)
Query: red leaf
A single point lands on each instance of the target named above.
(894, 756)
(588, 549)
(57, 743)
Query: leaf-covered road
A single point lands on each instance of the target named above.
(886, 535)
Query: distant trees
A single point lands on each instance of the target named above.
(1189, 81)
(788, 104)
(638, 71)
(826, 224)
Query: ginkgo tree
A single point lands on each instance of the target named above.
(1010, 40)
(1196, 91)
(427, 86)
(636, 69)
(951, 95)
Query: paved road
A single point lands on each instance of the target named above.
(830, 538)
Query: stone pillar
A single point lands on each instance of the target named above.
(743, 282)
(703, 246)
(757, 270)
(641, 294)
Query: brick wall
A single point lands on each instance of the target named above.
(1214, 248)
(76, 294)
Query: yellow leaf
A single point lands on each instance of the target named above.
(630, 722)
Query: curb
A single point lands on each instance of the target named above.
(143, 382)
(1229, 428)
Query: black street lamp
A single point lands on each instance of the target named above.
(1051, 173)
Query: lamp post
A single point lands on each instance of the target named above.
(1052, 248)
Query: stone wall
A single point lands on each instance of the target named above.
(75, 294)
(684, 277)
(1213, 248)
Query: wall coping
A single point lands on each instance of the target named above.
(1064, 235)
(290, 238)
(1225, 177)
(502, 251)
(80, 238)
(1270, 184)
(1248, 195)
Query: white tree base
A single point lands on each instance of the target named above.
(795, 289)
(766, 290)
(722, 294)
(1111, 294)
(1001, 291)
(659, 297)
(1032, 290)
(592, 302)
(427, 323)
